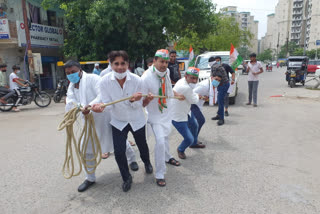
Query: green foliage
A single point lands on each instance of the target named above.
(265, 55)
(95, 27)
(295, 50)
(227, 31)
(244, 52)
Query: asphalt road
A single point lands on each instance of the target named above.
(263, 160)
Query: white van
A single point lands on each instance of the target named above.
(202, 62)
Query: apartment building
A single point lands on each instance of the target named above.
(296, 21)
(246, 22)
(47, 36)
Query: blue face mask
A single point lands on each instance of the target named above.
(215, 83)
(74, 78)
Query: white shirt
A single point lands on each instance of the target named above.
(13, 85)
(123, 113)
(180, 109)
(106, 71)
(151, 83)
(203, 89)
(254, 68)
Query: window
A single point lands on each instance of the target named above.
(34, 14)
(52, 19)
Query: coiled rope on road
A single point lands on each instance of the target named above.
(88, 134)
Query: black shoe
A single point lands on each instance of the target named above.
(220, 122)
(149, 168)
(215, 118)
(226, 113)
(85, 185)
(126, 186)
(134, 166)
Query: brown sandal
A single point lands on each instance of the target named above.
(173, 162)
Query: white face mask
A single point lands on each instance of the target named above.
(18, 72)
(159, 73)
(192, 85)
(211, 63)
(120, 76)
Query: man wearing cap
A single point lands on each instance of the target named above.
(156, 80)
(96, 69)
(3, 15)
(182, 119)
(223, 86)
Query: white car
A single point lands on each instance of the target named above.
(202, 62)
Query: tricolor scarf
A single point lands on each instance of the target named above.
(162, 102)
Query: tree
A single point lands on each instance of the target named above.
(95, 27)
(265, 55)
(227, 32)
(244, 52)
(292, 46)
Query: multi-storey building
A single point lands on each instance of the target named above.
(313, 20)
(246, 22)
(297, 26)
(296, 21)
(46, 34)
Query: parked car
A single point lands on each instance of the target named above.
(205, 70)
(274, 63)
(313, 66)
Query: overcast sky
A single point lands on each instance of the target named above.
(259, 8)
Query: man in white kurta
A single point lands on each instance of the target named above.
(84, 90)
(159, 117)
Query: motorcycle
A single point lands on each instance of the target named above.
(27, 95)
(61, 90)
(296, 70)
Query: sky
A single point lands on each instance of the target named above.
(258, 8)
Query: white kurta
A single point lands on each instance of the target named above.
(160, 122)
(88, 95)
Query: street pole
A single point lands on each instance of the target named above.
(28, 40)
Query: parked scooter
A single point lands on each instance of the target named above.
(61, 90)
(28, 94)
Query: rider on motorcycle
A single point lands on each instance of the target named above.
(3, 84)
(15, 82)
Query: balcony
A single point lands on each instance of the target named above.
(297, 6)
(297, 12)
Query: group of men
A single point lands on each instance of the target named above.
(179, 105)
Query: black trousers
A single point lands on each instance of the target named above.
(119, 143)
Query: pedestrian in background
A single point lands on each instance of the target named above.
(96, 69)
(222, 87)
(229, 70)
(173, 66)
(3, 84)
(254, 70)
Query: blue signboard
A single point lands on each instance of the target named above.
(4, 29)
(318, 42)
